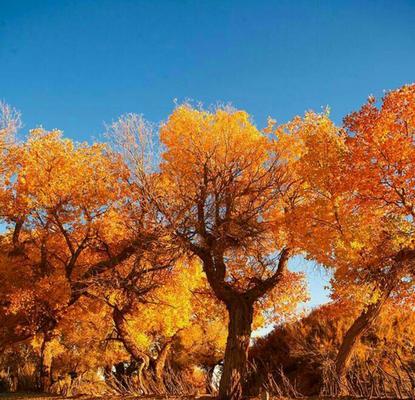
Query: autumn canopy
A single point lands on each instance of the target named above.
(145, 262)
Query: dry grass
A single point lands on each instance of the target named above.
(37, 396)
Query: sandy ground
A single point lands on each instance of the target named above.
(32, 396)
(40, 396)
(37, 396)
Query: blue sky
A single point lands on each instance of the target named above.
(75, 64)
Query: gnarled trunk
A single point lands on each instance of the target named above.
(45, 376)
(236, 354)
(352, 336)
(154, 374)
(142, 359)
(45, 362)
(160, 362)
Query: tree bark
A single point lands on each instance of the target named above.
(124, 336)
(45, 378)
(160, 362)
(359, 327)
(236, 354)
(240, 309)
(142, 359)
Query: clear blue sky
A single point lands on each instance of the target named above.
(75, 64)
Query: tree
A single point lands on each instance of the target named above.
(303, 351)
(380, 166)
(352, 205)
(68, 218)
(218, 192)
(150, 313)
(10, 123)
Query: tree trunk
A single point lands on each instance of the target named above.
(142, 359)
(124, 336)
(45, 378)
(160, 362)
(352, 336)
(236, 354)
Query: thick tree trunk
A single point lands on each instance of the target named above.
(142, 359)
(236, 354)
(160, 362)
(352, 336)
(155, 371)
(124, 335)
(45, 377)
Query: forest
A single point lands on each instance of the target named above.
(141, 264)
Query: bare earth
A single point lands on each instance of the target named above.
(39, 396)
